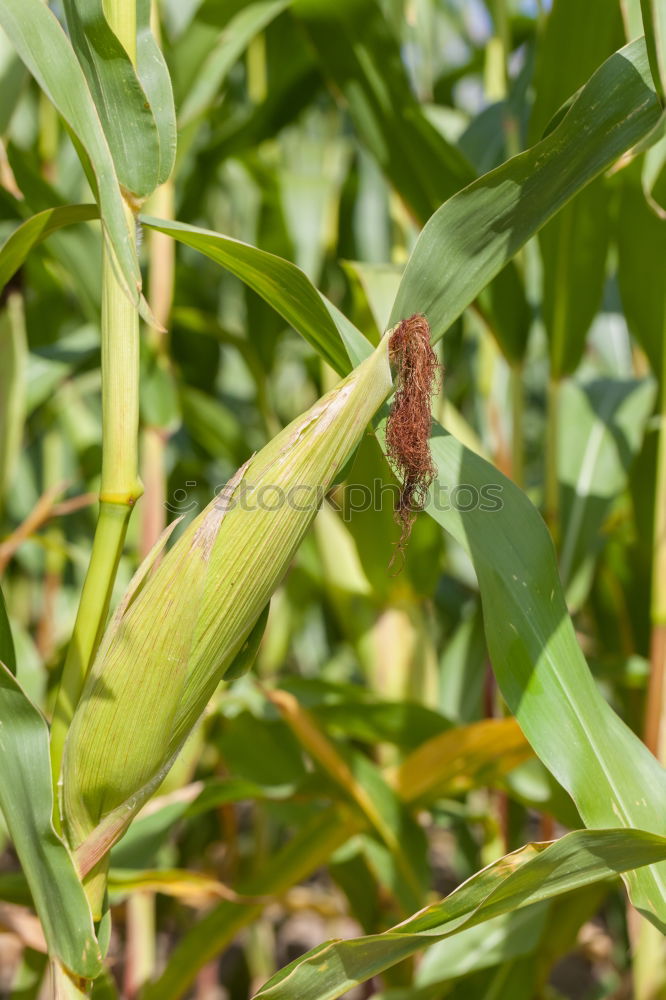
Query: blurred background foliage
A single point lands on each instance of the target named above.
(328, 134)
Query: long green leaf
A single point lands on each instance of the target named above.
(536, 872)
(46, 51)
(16, 248)
(574, 247)
(228, 28)
(611, 776)
(156, 81)
(283, 285)
(470, 238)
(26, 799)
(574, 244)
(135, 105)
(362, 58)
(122, 105)
(654, 23)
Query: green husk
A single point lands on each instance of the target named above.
(180, 629)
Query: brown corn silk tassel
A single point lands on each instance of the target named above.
(418, 377)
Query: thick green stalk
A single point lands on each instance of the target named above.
(120, 486)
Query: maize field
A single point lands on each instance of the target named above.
(333, 499)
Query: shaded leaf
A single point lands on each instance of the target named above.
(17, 247)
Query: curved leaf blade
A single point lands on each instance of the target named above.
(46, 51)
(26, 799)
(282, 284)
(610, 774)
(231, 30)
(156, 81)
(362, 58)
(536, 872)
(654, 23)
(453, 260)
(121, 103)
(16, 248)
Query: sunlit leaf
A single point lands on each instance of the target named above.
(46, 51)
(453, 260)
(26, 798)
(536, 872)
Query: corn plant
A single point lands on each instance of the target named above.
(405, 349)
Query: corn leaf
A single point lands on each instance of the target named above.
(45, 49)
(122, 105)
(26, 799)
(611, 776)
(602, 426)
(574, 244)
(222, 33)
(654, 23)
(17, 247)
(534, 873)
(283, 285)
(156, 81)
(470, 238)
(459, 759)
(362, 57)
